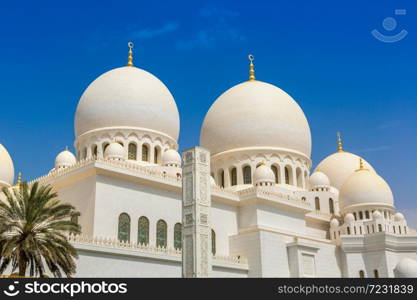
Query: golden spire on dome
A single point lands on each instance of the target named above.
(130, 56)
(66, 148)
(361, 166)
(19, 179)
(251, 68)
(339, 143)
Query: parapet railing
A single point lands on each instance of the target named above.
(273, 195)
(144, 248)
(150, 171)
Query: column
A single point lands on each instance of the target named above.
(196, 202)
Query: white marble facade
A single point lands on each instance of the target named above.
(269, 216)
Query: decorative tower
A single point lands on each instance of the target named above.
(196, 202)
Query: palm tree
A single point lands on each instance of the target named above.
(34, 225)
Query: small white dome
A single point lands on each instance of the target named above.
(376, 215)
(263, 174)
(127, 97)
(365, 187)
(212, 181)
(64, 159)
(319, 179)
(398, 217)
(334, 223)
(114, 151)
(406, 268)
(6, 168)
(339, 166)
(171, 158)
(255, 114)
(349, 218)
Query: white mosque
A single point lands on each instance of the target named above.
(270, 215)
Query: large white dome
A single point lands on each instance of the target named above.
(339, 166)
(127, 97)
(255, 114)
(365, 187)
(6, 168)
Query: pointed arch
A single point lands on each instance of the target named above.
(123, 233)
(288, 175)
(178, 236)
(331, 206)
(275, 169)
(145, 152)
(213, 242)
(161, 234)
(132, 151)
(143, 230)
(317, 203)
(233, 176)
(247, 175)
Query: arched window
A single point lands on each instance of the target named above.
(85, 153)
(156, 155)
(366, 214)
(213, 242)
(161, 234)
(275, 170)
(379, 227)
(303, 198)
(360, 215)
(221, 175)
(331, 206)
(247, 176)
(178, 236)
(233, 176)
(145, 153)
(124, 228)
(94, 150)
(376, 273)
(143, 231)
(348, 230)
(105, 145)
(361, 274)
(132, 151)
(355, 215)
(287, 175)
(317, 203)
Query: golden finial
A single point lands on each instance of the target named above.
(130, 57)
(19, 179)
(251, 68)
(262, 163)
(361, 166)
(66, 148)
(339, 143)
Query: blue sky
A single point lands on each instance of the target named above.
(321, 52)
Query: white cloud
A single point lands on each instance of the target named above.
(149, 33)
(374, 149)
(218, 28)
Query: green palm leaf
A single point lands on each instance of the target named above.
(34, 225)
